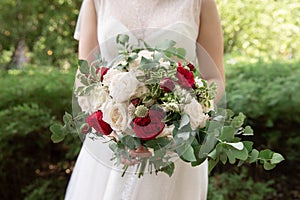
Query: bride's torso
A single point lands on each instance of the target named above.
(150, 20)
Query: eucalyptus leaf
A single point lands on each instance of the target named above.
(164, 45)
(238, 121)
(187, 153)
(253, 156)
(84, 67)
(122, 39)
(185, 120)
(276, 158)
(266, 154)
(248, 131)
(236, 145)
(223, 158)
(268, 166)
(169, 169)
(57, 138)
(227, 134)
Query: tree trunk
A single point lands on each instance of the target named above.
(19, 57)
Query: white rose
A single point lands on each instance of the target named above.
(115, 114)
(123, 86)
(109, 75)
(98, 97)
(85, 103)
(195, 111)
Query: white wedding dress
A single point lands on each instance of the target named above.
(94, 176)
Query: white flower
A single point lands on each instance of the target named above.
(98, 97)
(115, 114)
(195, 112)
(199, 82)
(146, 54)
(167, 131)
(133, 65)
(123, 86)
(141, 90)
(85, 103)
(163, 63)
(109, 75)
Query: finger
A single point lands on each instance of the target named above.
(140, 154)
(125, 161)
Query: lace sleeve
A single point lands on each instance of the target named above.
(78, 24)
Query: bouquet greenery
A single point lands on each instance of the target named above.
(153, 98)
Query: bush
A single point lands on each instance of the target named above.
(236, 186)
(269, 96)
(30, 163)
(261, 29)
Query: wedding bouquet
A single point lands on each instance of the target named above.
(153, 98)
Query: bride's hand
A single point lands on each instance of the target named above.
(136, 155)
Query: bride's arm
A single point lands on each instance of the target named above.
(88, 30)
(210, 38)
(88, 33)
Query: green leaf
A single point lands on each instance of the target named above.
(164, 45)
(223, 158)
(181, 53)
(185, 120)
(169, 169)
(128, 141)
(253, 156)
(238, 121)
(266, 154)
(57, 133)
(187, 153)
(211, 164)
(67, 118)
(84, 67)
(56, 129)
(157, 143)
(241, 154)
(213, 154)
(57, 138)
(122, 39)
(236, 145)
(276, 158)
(248, 145)
(227, 134)
(269, 166)
(248, 131)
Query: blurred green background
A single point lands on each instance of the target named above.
(38, 60)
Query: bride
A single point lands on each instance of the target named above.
(194, 25)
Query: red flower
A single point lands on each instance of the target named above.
(149, 127)
(135, 101)
(185, 77)
(191, 66)
(103, 71)
(167, 84)
(95, 120)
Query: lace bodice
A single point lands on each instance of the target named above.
(150, 20)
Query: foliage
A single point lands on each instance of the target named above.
(261, 29)
(45, 26)
(27, 107)
(238, 186)
(269, 96)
